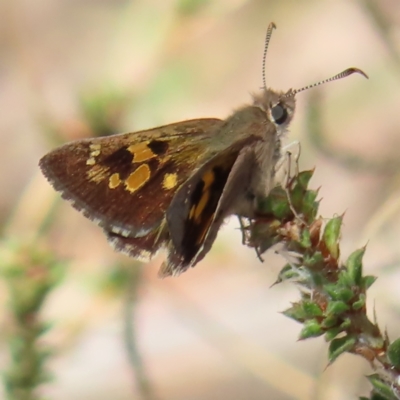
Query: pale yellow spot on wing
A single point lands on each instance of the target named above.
(97, 173)
(94, 152)
(137, 178)
(141, 152)
(114, 181)
(170, 181)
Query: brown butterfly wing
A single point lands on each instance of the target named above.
(126, 182)
(196, 213)
(223, 186)
(141, 248)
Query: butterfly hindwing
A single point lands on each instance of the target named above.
(202, 203)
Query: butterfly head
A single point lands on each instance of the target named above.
(280, 106)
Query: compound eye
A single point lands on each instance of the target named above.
(279, 114)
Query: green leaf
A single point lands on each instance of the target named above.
(329, 322)
(360, 303)
(394, 353)
(344, 279)
(354, 266)
(266, 205)
(368, 281)
(295, 312)
(338, 292)
(304, 177)
(311, 309)
(339, 346)
(336, 308)
(333, 290)
(381, 387)
(346, 324)
(305, 239)
(315, 261)
(280, 208)
(310, 329)
(288, 272)
(331, 236)
(331, 333)
(310, 206)
(377, 396)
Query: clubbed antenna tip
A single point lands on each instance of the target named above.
(343, 74)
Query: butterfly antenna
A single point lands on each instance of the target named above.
(271, 27)
(343, 74)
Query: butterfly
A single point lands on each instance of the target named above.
(173, 186)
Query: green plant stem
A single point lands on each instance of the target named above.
(333, 293)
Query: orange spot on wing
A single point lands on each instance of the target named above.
(137, 178)
(202, 203)
(208, 179)
(141, 152)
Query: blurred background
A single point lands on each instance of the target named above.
(73, 69)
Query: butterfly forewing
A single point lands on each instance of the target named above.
(105, 177)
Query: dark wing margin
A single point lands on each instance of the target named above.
(140, 248)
